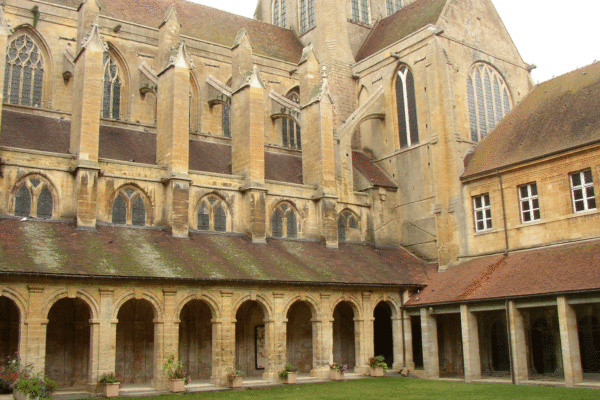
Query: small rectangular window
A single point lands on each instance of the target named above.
(482, 212)
(582, 191)
(529, 203)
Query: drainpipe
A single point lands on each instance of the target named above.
(503, 211)
(510, 353)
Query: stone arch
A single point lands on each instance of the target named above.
(80, 294)
(46, 57)
(383, 331)
(310, 300)
(29, 180)
(68, 342)
(210, 300)
(264, 303)
(345, 348)
(11, 324)
(543, 346)
(285, 208)
(125, 74)
(252, 337)
(17, 298)
(354, 303)
(212, 208)
(197, 337)
(156, 303)
(405, 116)
(348, 224)
(300, 340)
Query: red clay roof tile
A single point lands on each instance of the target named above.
(371, 171)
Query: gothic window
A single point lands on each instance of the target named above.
(360, 12)
(291, 134)
(226, 121)
(279, 13)
(24, 73)
(284, 223)
(111, 100)
(482, 211)
(488, 100)
(406, 107)
(348, 226)
(129, 208)
(392, 6)
(34, 199)
(212, 214)
(307, 15)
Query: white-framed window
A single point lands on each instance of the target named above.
(360, 11)
(488, 100)
(307, 15)
(482, 212)
(582, 191)
(392, 6)
(279, 13)
(529, 202)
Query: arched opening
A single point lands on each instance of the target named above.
(344, 343)
(135, 342)
(383, 336)
(499, 346)
(9, 328)
(450, 345)
(250, 339)
(195, 340)
(68, 343)
(542, 347)
(300, 336)
(589, 343)
(417, 341)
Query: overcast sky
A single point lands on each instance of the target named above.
(557, 36)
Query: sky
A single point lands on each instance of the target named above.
(557, 36)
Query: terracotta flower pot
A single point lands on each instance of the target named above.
(292, 378)
(111, 390)
(336, 375)
(377, 371)
(235, 382)
(177, 385)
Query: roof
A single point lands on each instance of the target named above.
(402, 23)
(35, 132)
(127, 145)
(58, 248)
(372, 172)
(558, 115)
(204, 23)
(283, 168)
(549, 270)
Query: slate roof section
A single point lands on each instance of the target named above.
(402, 23)
(371, 171)
(35, 132)
(57, 248)
(543, 271)
(283, 168)
(558, 115)
(204, 23)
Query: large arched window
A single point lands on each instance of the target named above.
(307, 15)
(111, 100)
(129, 208)
(392, 6)
(360, 12)
(284, 223)
(24, 73)
(34, 198)
(406, 107)
(212, 214)
(488, 98)
(348, 226)
(279, 13)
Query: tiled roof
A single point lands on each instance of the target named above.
(371, 171)
(551, 270)
(35, 132)
(204, 23)
(210, 157)
(560, 114)
(397, 26)
(127, 145)
(283, 168)
(57, 248)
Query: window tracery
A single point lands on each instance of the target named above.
(284, 223)
(24, 73)
(129, 208)
(488, 100)
(212, 214)
(347, 226)
(111, 99)
(279, 13)
(307, 15)
(360, 12)
(34, 199)
(291, 134)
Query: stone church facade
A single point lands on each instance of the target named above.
(329, 181)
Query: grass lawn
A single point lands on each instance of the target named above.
(398, 388)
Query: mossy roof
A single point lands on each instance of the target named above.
(58, 248)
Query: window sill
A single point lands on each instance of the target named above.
(487, 231)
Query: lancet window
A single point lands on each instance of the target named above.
(360, 11)
(129, 208)
(347, 226)
(212, 214)
(24, 73)
(34, 199)
(406, 107)
(111, 100)
(284, 223)
(307, 15)
(279, 13)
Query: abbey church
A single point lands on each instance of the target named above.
(329, 181)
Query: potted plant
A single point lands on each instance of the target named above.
(378, 366)
(33, 387)
(289, 374)
(10, 372)
(178, 378)
(336, 371)
(234, 377)
(110, 384)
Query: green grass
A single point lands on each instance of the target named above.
(398, 388)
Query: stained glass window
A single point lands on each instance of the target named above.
(23, 202)
(290, 134)
(292, 225)
(392, 6)
(226, 121)
(277, 224)
(138, 212)
(119, 211)
(303, 20)
(341, 229)
(276, 13)
(311, 13)
(24, 73)
(347, 225)
(45, 204)
(203, 218)
(220, 219)
(364, 11)
(212, 214)
(111, 100)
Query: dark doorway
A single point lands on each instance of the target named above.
(383, 336)
(499, 344)
(68, 343)
(250, 339)
(589, 343)
(344, 349)
(195, 339)
(300, 336)
(542, 347)
(9, 328)
(417, 341)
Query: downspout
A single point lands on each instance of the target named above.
(503, 212)
(510, 353)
